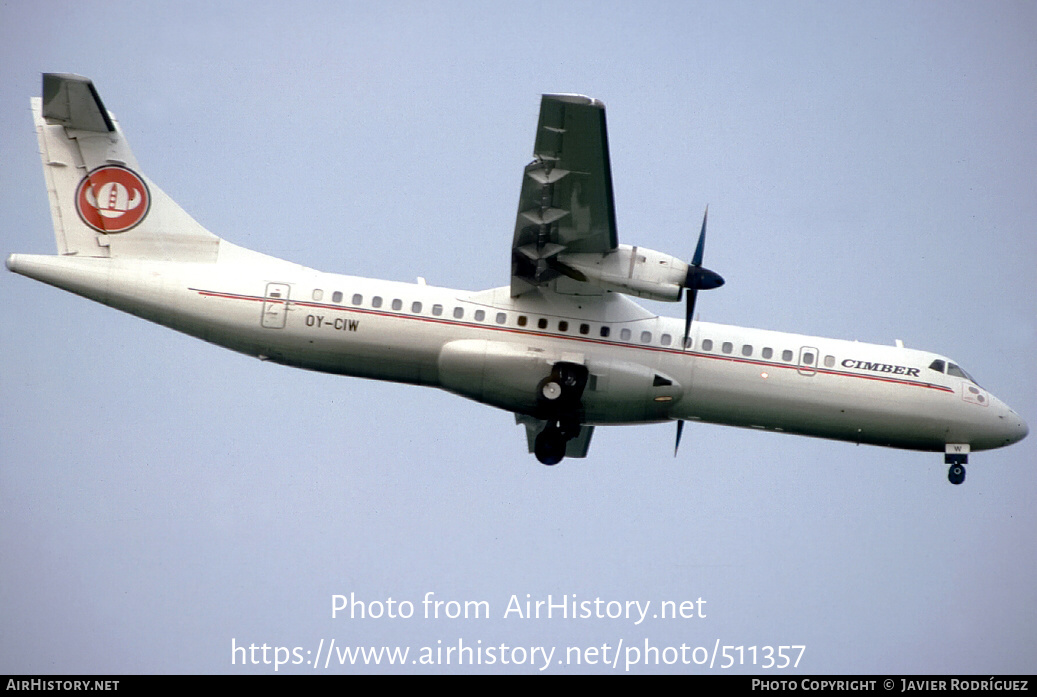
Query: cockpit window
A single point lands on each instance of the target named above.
(958, 372)
(951, 369)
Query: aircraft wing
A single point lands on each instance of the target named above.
(566, 201)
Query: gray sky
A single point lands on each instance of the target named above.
(869, 173)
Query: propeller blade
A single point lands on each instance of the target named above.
(697, 259)
(689, 311)
(680, 430)
(698, 278)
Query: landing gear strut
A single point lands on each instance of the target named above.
(560, 391)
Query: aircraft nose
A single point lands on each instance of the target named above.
(1021, 429)
(1013, 427)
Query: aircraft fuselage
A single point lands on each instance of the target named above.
(495, 349)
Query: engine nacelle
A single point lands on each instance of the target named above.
(638, 271)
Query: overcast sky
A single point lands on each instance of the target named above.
(870, 175)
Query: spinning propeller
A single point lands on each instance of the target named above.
(698, 278)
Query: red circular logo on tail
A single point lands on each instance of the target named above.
(112, 199)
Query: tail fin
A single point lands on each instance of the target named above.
(100, 203)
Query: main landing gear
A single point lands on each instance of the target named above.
(550, 443)
(558, 401)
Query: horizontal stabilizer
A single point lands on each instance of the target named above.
(72, 101)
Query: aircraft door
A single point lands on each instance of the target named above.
(808, 358)
(275, 307)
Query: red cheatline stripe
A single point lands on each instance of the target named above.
(583, 339)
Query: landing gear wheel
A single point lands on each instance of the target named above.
(956, 474)
(551, 390)
(550, 446)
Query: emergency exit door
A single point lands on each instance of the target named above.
(275, 306)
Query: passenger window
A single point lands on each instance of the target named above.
(624, 334)
(747, 350)
(336, 297)
(563, 326)
(585, 328)
(768, 352)
(604, 331)
(936, 365)
(458, 312)
(666, 339)
(397, 304)
(415, 307)
(358, 299)
(437, 310)
(728, 347)
(707, 344)
(688, 342)
(786, 356)
(376, 301)
(501, 318)
(829, 361)
(808, 358)
(480, 315)
(542, 323)
(522, 320)
(318, 294)
(646, 337)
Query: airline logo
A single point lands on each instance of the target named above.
(881, 367)
(112, 199)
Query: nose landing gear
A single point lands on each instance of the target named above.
(957, 456)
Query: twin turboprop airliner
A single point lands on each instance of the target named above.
(564, 346)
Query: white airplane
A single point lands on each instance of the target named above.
(563, 347)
